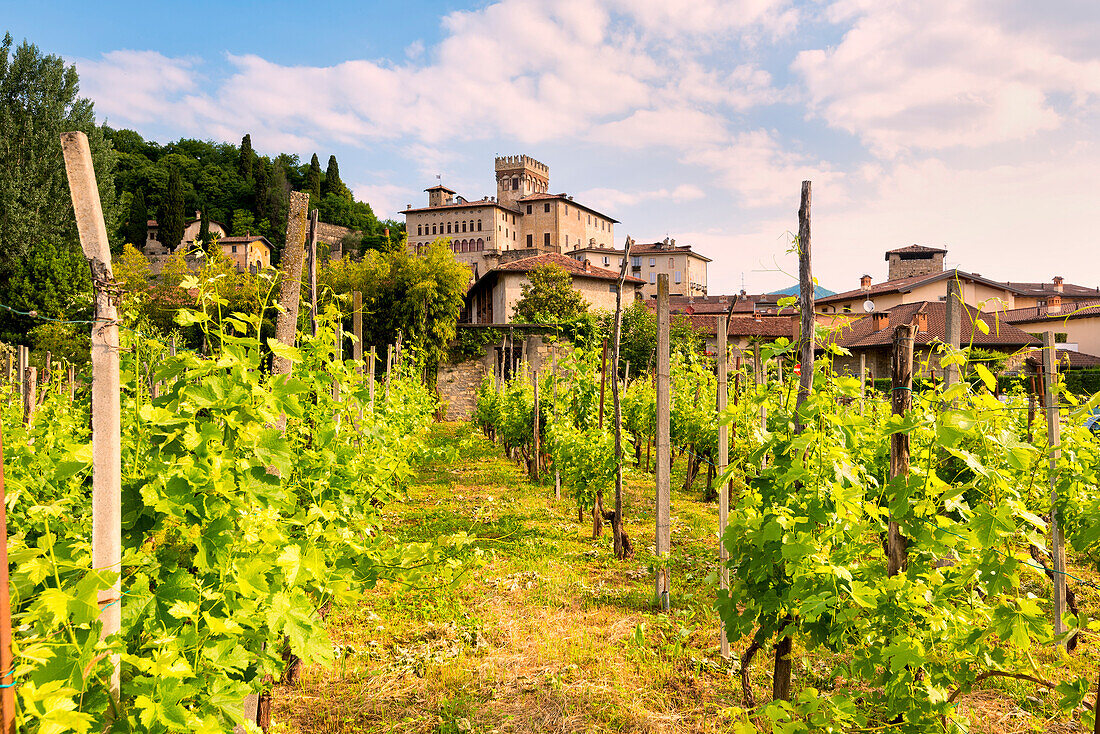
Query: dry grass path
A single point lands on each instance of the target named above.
(549, 633)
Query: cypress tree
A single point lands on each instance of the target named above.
(204, 230)
(260, 191)
(333, 184)
(136, 229)
(244, 163)
(170, 218)
(313, 183)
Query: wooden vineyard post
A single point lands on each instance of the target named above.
(357, 329)
(106, 399)
(663, 538)
(535, 422)
(7, 680)
(370, 376)
(286, 325)
(1031, 410)
(21, 367)
(72, 383)
(723, 463)
(621, 545)
(8, 368)
(953, 329)
(901, 398)
(761, 379)
(311, 257)
(557, 470)
(1054, 441)
(862, 380)
(30, 394)
(603, 378)
(389, 367)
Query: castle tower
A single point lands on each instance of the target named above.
(520, 175)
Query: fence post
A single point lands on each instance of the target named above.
(761, 379)
(723, 463)
(311, 256)
(7, 680)
(21, 367)
(106, 400)
(357, 329)
(663, 538)
(621, 543)
(862, 380)
(72, 383)
(1054, 441)
(30, 394)
(290, 291)
(535, 422)
(370, 375)
(901, 398)
(953, 328)
(603, 378)
(557, 470)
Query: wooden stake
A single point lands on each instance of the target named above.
(30, 394)
(617, 521)
(311, 257)
(21, 369)
(290, 290)
(953, 329)
(106, 400)
(370, 375)
(805, 304)
(535, 422)
(1031, 410)
(761, 379)
(901, 397)
(862, 380)
(1054, 441)
(72, 383)
(663, 538)
(557, 470)
(723, 463)
(7, 680)
(603, 378)
(357, 329)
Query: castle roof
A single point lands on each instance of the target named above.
(914, 250)
(461, 205)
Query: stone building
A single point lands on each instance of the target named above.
(248, 253)
(907, 262)
(686, 269)
(154, 246)
(524, 219)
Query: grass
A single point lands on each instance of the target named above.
(550, 633)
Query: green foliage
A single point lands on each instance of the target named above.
(136, 229)
(235, 532)
(243, 223)
(333, 185)
(53, 282)
(38, 101)
(245, 158)
(313, 182)
(170, 217)
(548, 297)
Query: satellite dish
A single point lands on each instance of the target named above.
(869, 306)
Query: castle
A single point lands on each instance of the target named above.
(523, 220)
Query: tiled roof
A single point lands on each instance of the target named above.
(902, 285)
(461, 205)
(768, 326)
(570, 265)
(861, 333)
(913, 249)
(566, 199)
(244, 240)
(1067, 359)
(1069, 310)
(1068, 290)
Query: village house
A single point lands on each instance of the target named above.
(1076, 323)
(154, 246)
(493, 297)
(686, 269)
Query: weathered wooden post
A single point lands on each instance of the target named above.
(7, 669)
(9, 367)
(72, 382)
(723, 463)
(761, 379)
(535, 448)
(1031, 410)
(901, 396)
(357, 330)
(557, 470)
(603, 378)
(21, 368)
(663, 538)
(286, 325)
(953, 329)
(1054, 442)
(370, 376)
(311, 257)
(30, 394)
(621, 545)
(862, 380)
(48, 370)
(106, 400)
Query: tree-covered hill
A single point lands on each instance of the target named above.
(245, 191)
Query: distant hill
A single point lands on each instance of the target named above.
(819, 292)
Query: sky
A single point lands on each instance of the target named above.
(970, 125)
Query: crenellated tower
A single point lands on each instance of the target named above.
(520, 175)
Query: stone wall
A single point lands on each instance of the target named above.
(900, 268)
(458, 384)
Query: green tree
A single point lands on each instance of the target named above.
(38, 101)
(548, 297)
(244, 161)
(243, 223)
(135, 231)
(333, 184)
(638, 339)
(313, 183)
(52, 281)
(170, 220)
(131, 269)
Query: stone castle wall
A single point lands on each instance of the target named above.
(909, 268)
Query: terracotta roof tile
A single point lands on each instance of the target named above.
(861, 333)
(1067, 359)
(1069, 310)
(570, 265)
(767, 326)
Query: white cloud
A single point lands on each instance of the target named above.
(385, 199)
(137, 86)
(940, 73)
(612, 200)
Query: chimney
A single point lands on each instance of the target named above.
(880, 321)
(386, 231)
(1058, 280)
(922, 322)
(587, 266)
(1054, 304)
(865, 282)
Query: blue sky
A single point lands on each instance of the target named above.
(965, 124)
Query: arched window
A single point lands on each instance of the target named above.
(454, 246)
(515, 183)
(419, 229)
(479, 225)
(465, 246)
(448, 227)
(471, 225)
(433, 229)
(480, 244)
(464, 226)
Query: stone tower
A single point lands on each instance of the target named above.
(907, 262)
(520, 175)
